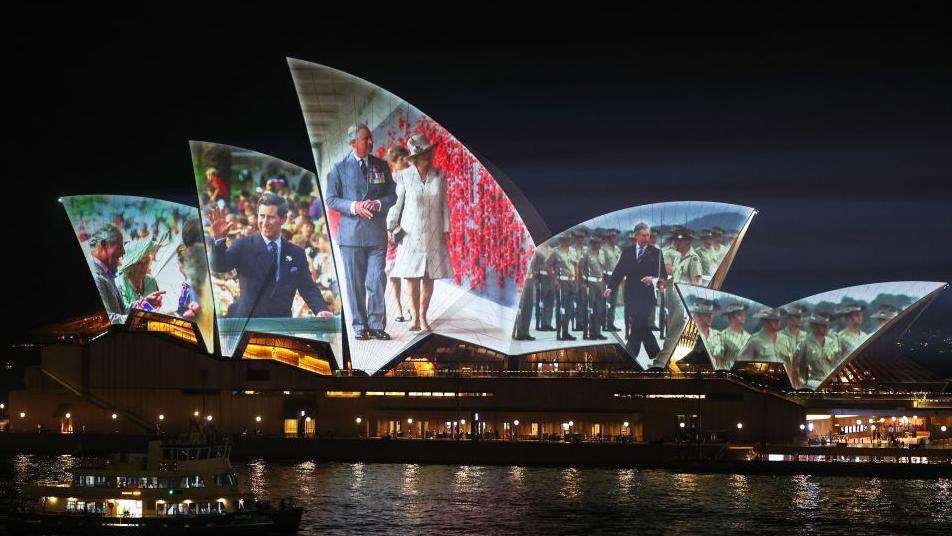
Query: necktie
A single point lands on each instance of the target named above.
(641, 250)
(273, 249)
(363, 167)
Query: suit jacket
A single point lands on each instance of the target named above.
(634, 269)
(116, 308)
(346, 184)
(260, 295)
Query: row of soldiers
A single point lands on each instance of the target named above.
(809, 353)
(565, 284)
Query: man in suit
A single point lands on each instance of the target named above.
(106, 250)
(270, 269)
(640, 267)
(361, 189)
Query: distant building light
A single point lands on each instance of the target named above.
(358, 420)
(475, 416)
(410, 420)
(208, 418)
(803, 427)
(195, 413)
(161, 416)
(944, 428)
(68, 415)
(114, 416)
(740, 425)
(810, 427)
(302, 413)
(258, 418)
(22, 414)
(571, 423)
(625, 424)
(516, 422)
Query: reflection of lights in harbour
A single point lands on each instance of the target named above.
(356, 477)
(409, 486)
(256, 477)
(517, 475)
(571, 483)
(303, 474)
(626, 479)
(807, 495)
(468, 478)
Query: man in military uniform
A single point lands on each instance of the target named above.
(762, 346)
(818, 354)
(852, 334)
(717, 242)
(610, 253)
(579, 247)
(792, 335)
(548, 290)
(707, 254)
(733, 337)
(686, 269)
(592, 287)
(530, 296)
(702, 312)
(562, 270)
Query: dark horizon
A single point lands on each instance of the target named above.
(838, 135)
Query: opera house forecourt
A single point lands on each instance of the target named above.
(408, 291)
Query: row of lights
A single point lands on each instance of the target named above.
(740, 425)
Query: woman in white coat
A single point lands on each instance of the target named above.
(419, 224)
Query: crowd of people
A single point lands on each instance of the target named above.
(810, 343)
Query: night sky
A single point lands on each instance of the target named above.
(840, 135)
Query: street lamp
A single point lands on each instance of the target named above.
(114, 416)
(410, 420)
(68, 415)
(258, 418)
(358, 420)
(161, 416)
(740, 425)
(803, 427)
(625, 424)
(208, 418)
(944, 428)
(516, 422)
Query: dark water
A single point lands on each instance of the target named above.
(443, 499)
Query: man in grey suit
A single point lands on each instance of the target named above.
(361, 189)
(105, 254)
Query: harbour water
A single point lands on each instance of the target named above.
(355, 498)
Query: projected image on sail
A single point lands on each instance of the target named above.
(271, 263)
(611, 279)
(425, 238)
(145, 254)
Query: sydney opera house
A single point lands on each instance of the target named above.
(408, 290)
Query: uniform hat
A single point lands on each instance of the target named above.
(612, 232)
(718, 230)
(581, 231)
(885, 312)
(595, 238)
(565, 236)
(767, 313)
(821, 318)
(418, 144)
(850, 309)
(702, 306)
(682, 234)
(706, 233)
(734, 308)
(794, 309)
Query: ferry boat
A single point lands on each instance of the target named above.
(178, 486)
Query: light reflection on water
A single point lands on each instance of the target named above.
(358, 498)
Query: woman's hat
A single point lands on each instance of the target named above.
(418, 144)
(136, 251)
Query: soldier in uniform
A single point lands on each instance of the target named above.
(686, 267)
(610, 253)
(562, 269)
(818, 354)
(579, 248)
(763, 345)
(530, 296)
(702, 312)
(733, 337)
(852, 334)
(592, 286)
(792, 335)
(707, 254)
(547, 289)
(717, 242)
